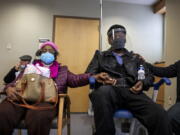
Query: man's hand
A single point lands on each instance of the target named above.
(12, 93)
(104, 78)
(137, 87)
(110, 81)
(17, 66)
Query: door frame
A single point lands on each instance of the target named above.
(75, 17)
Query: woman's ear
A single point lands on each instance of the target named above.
(38, 52)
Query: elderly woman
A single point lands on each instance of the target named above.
(38, 122)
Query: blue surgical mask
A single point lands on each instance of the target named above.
(47, 58)
(22, 67)
(118, 43)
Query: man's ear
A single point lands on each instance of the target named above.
(109, 40)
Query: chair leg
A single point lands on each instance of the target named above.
(68, 121)
(68, 128)
(60, 116)
(19, 132)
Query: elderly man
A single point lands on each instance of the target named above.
(122, 88)
(13, 73)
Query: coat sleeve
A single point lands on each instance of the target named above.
(170, 71)
(77, 80)
(149, 78)
(93, 66)
(10, 76)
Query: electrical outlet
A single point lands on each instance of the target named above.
(9, 46)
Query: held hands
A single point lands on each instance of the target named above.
(104, 78)
(137, 87)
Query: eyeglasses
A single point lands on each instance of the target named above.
(48, 50)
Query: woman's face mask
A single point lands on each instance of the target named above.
(47, 58)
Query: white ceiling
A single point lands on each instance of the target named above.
(142, 2)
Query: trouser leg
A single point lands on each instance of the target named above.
(10, 117)
(152, 115)
(107, 99)
(39, 122)
(174, 117)
(104, 105)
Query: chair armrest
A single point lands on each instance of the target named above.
(66, 97)
(161, 82)
(157, 86)
(62, 95)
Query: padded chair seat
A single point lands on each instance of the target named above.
(123, 114)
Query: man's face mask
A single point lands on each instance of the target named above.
(22, 66)
(47, 58)
(118, 44)
(118, 37)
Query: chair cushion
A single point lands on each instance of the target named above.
(123, 114)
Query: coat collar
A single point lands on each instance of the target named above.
(109, 52)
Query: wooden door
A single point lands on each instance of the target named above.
(77, 39)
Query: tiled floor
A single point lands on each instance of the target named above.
(81, 124)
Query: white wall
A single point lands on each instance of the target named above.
(23, 22)
(144, 28)
(172, 45)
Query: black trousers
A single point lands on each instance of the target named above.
(107, 99)
(38, 122)
(174, 116)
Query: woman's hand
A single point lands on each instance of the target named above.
(101, 77)
(12, 93)
(104, 78)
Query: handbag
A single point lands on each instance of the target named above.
(36, 88)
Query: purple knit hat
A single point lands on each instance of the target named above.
(53, 45)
